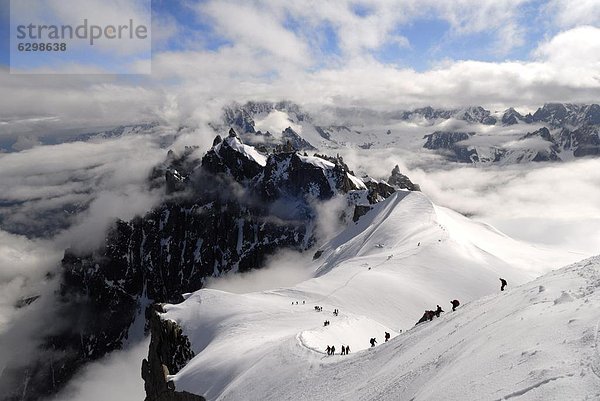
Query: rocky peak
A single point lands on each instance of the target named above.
(296, 141)
(592, 115)
(543, 133)
(401, 181)
(445, 139)
(291, 174)
(511, 117)
(236, 116)
(552, 113)
(168, 352)
(570, 116)
(232, 157)
(476, 114)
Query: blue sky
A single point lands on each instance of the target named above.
(384, 54)
(427, 39)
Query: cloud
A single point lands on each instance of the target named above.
(43, 189)
(276, 52)
(275, 122)
(575, 48)
(567, 14)
(284, 269)
(555, 204)
(24, 264)
(258, 28)
(116, 377)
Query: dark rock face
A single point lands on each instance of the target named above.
(548, 154)
(296, 141)
(445, 139)
(574, 115)
(584, 141)
(174, 170)
(511, 117)
(290, 175)
(401, 181)
(474, 114)
(359, 211)
(224, 158)
(168, 352)
(543, 133)
(451, 141)
(239, 118)
(324, 134)
(553, 113)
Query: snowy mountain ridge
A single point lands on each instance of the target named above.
(404, 256)
(486, 136)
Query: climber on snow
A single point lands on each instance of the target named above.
(503, 284)
(438, 311)
(373, 341)
(424, 318)
(387, 336)
(455, 304)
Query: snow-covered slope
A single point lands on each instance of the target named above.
(403, 257)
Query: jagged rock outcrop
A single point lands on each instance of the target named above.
(290, 174)
(359, 211)
(583, 141)
(476, 114)
(168, 352)
(239, 118)
(445, 139)
(232, 157)
(511, 117)
(401, 181)
(575, 115)
(473, 114)
(295, 140)
(451, 141)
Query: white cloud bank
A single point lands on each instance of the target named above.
(276, 50)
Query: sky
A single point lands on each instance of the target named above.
(379, 54)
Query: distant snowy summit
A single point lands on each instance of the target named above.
(554, 132)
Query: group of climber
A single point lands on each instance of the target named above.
(296, 303)
(326, 323)
(331, 350)
(319, 308)
(429, 314)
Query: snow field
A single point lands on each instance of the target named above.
(403, 257)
